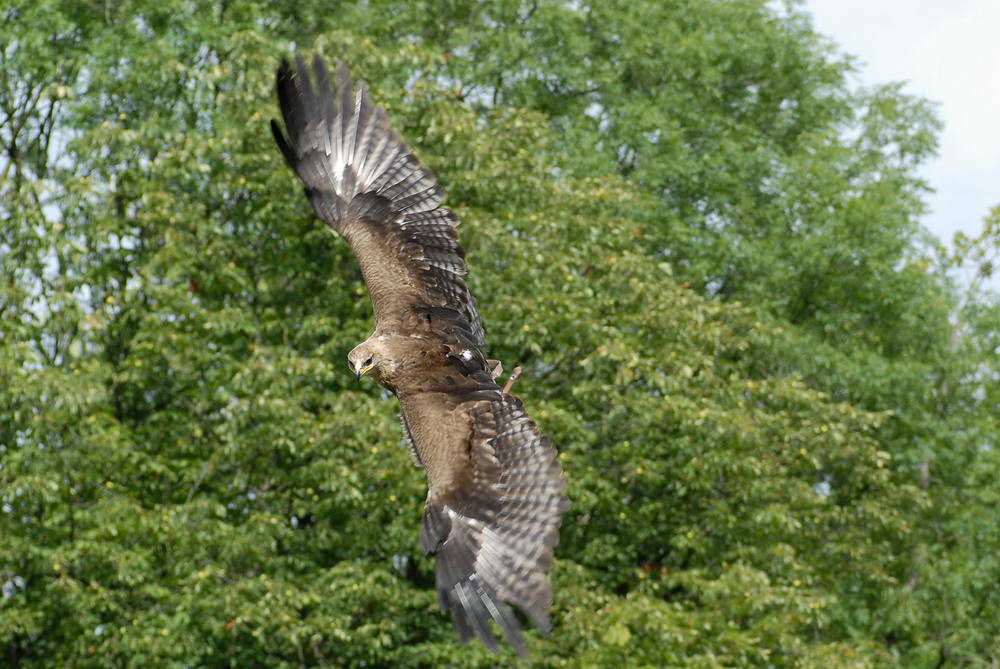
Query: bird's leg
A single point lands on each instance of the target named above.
(496, 369)
(511, 379)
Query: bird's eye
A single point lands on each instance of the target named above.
(368, 362)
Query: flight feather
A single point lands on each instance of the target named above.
(364, 181)
(495, 489)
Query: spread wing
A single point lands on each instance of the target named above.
(494, 499)
(364, 181)
(494, 504)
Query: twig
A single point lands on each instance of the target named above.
(511, 379)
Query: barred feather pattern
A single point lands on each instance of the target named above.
(355, 168)
(494, 486)
(495, 539)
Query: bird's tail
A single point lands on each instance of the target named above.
(342, 146)
(495, 540)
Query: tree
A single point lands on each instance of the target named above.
(696, 238)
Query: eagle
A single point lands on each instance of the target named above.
(494, 488)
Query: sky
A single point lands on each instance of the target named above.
(947, 51)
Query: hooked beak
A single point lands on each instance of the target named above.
(361, 371)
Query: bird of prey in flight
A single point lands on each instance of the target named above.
(494, 488)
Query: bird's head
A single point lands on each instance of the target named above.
(366, 357)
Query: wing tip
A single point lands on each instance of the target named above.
(286, 149)
(473, 605)
(343, 74)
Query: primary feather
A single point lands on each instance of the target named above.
(364, 181)
(495, 490)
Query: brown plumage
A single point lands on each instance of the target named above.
(494, 498)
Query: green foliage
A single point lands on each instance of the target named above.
(776, 416)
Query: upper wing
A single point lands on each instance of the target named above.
(366, 183)
(494, 506)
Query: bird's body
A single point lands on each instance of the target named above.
(494, 499)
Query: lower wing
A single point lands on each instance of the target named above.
(495, 529)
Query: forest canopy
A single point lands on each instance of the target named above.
(775, 408)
